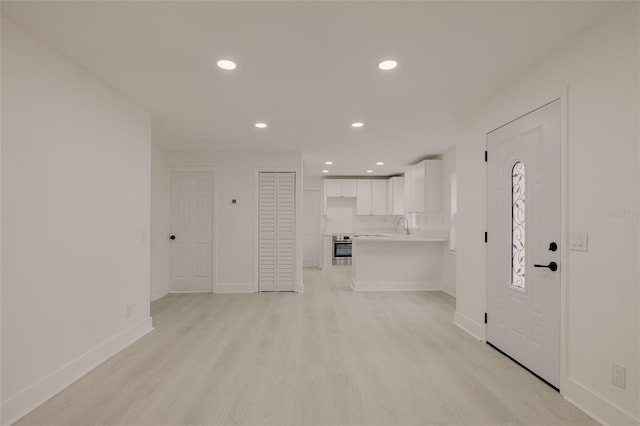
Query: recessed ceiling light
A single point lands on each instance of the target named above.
(357, 124)
(379, 163)
(387, 64)
(261, 125)
(369, 171)
(328, 163)
(226, 64)
(325, 171)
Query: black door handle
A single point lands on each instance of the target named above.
(552, 265)
(173, 237)
(553, 247)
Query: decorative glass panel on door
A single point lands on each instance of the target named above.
(518, 226)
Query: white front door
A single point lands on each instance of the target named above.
(191, 232)
(312, 238)
(523, 241)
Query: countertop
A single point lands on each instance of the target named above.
(395, 237)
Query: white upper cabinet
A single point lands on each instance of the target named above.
(379, 197)
(340, 187)
(423, 187)
(371, 197)
(395, 196)
(349, 188)
(363, 201)
(333, 187)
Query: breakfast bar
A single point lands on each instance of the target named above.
(395, 262)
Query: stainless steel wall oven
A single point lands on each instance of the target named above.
(341, 250)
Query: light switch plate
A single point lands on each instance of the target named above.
(578, 241)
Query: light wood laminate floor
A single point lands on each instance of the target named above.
(328, 356)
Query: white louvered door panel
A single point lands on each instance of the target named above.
(267, 228)
(286, 232)
(276, 232)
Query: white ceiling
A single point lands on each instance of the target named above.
(308, 69)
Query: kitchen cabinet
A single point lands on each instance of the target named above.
(423, 187)
(371, 197)
(395, 196)
(340, 188)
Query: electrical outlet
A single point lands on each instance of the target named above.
(619, 375)
(128, 311)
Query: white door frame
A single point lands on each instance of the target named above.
(299, 288)
(214, 234)
(563, 96)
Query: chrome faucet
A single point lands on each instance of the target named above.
(406, 221)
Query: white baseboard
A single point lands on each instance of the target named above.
(395, 286)
(300, 288)
(470, 326)
(603, 411)
(154, 298)
(189, 291)
(446, 291)
(230, 288)
(25, 401)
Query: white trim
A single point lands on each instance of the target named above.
(448, 292)
(25, 401)
(189, 292)
(564, 233)
(214, 220)
(591, 403)
(475, 329)
(160, 297)
(235, 288)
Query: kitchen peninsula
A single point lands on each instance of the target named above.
(396, 262)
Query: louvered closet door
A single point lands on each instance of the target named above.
(276, 258)
(286, 231)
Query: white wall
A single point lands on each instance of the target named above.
(448, 256)
(312, 225)
(439, 223)
(596, 75)
(312, 183)
(75, 205)
(235, 224)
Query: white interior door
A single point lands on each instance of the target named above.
(191, 228)
(312, 237)
(523, 246)
(276, 233)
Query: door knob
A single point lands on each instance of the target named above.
(173, 237)
(553, 247)
(552, 265)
